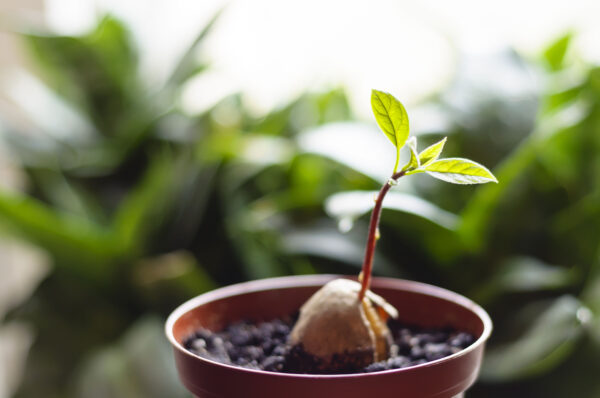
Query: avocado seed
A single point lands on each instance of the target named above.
(340, 331)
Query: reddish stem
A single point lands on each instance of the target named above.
(367, 266)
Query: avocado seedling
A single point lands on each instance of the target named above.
(344, 324)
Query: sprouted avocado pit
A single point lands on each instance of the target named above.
(344, 327)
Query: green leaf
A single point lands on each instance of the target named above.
(350, 205)
(327, 243)
(476, 217)
(413, 163)
(537, 350)
(188, 65)
(391, 118)
(143, 348)
(96, 72)
(431, 153)
(563, 98)
(141, 212)
(459, 171)
(74, 242)
(526, 274)
(555, 54)
(530, 274)
(170, 277)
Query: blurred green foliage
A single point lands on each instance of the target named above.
(142, 206)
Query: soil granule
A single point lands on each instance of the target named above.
(264, 346)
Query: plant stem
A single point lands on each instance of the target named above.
(367, 266)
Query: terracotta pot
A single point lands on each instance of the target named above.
(417, 303)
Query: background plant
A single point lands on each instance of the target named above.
(141, 206)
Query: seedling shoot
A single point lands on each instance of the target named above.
(345, 323)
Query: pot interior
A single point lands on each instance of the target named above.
(417, 304)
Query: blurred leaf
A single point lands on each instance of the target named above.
(23, 268)
(391, 118)
(562, 98)
(64, 196)
(197, 186)
(180, 266)
(252, 241)
(96, 72)
(530, 274)
(188, 65)
(429, 229)
(547, 342)
(555, 53)
(459, 171)
(265, 150)
(527, 274)
(576, 225)
(259, 252)
(576, 377)
(328, 243)
(275, 122)
(59, 121)
(591, 292)
(374, 162)
(140, 365)
(79, 244)
(347, 206)
(142, 211)
(333, 106)
(97, 75)
(166, 280)
(477, 216)
(16, 339)
(306, 112)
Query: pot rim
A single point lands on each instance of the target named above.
(287, 282)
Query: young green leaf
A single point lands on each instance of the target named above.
(555, 54)
(413, 163)
(391, 118)
(431, 153)
(459, 171)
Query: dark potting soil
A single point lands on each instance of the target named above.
(264, 346)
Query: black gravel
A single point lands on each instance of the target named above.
(264, 346)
